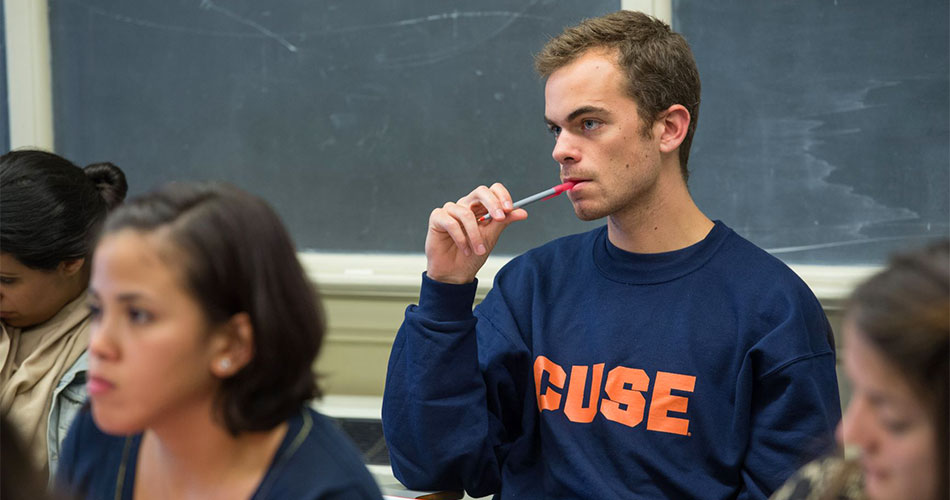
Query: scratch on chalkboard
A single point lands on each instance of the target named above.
(159, 26)
(264, 87)
(444, 16)
(209, 5)
(453, 16)
(205, 4)
(263, 32)
(449, 51)
(373, 209)
(834, 244)
(446, 52)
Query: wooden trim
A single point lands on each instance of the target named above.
(399, 276)
(29, 80)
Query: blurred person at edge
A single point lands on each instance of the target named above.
(896, 336)
(50, 214)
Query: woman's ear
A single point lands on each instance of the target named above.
(675, 121)
(70, 267)
(234, 347)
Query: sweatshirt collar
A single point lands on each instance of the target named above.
(632, 268)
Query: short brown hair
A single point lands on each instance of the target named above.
(238, 257)
(658, 63)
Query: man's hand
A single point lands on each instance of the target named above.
(457, 245)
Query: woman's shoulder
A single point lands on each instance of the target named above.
(317, 461)
(322, 438)
(826, 478)
(91, 459)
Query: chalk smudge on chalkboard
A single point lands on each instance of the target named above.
(809, 203)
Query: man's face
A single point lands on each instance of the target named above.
(601, 143)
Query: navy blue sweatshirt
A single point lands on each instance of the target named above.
(591, 372)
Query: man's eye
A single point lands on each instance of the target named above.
(590, 124)
(7, 280)
(555, 130)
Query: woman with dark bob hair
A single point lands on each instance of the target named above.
(204, 332)
(50, 214)
(897, 357)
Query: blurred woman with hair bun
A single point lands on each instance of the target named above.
(50, 215)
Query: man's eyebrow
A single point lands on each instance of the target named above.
(583, 110)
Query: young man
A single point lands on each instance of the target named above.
(660, 356)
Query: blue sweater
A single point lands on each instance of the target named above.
(314, 461)
(591, 372)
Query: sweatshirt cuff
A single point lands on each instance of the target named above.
(446, 301)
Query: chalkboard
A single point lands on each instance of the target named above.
(823, 132)
(355, 119)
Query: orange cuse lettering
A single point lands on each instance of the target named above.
(632, 398)
(663, 402)
(550, 400)
(623, 404)
(574, 407)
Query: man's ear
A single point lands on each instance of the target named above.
(675, 123)
(234, 346)
(71, 266)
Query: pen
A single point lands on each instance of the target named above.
(543, 195)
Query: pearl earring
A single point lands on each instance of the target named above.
(224, 364)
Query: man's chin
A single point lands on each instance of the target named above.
(587, 215)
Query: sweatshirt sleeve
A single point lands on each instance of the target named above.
(795, 405)
(437, 406)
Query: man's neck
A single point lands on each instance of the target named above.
(666, 220)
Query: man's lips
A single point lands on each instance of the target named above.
(578, 184)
